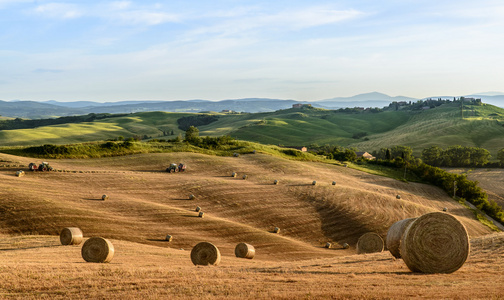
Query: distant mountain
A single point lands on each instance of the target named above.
(37, 110)
(490, 94)
(47, 109)
(81, 104)
(373, 99)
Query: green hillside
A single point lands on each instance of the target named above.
(443, 126)
(367, 131)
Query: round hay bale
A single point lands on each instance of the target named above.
(169, 238)
(205, 254)
(276, 230)
(314, 182)
(445, 209)
(201, 214)
(192, 197)
(234, 174)
(245, 176)
(275, 182)
(328, 245)
(334, 183)
(98, 250)
(398, 196)
(71, 236)
(394, 235)
(244, 250)
(435, 243)
(254, 152)
(104, 197)
(20, 173)
(369, 243)
(346, 246)
(198, 209)
(236, 154)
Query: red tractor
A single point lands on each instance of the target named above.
(44, 166)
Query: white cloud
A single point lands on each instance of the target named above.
(59, 11)
(144, 17)
(119, 5)
(250, 19)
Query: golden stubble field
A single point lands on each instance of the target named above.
(145, 204)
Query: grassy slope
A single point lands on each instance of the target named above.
(444, 127)
(308, 126)
(441, 126)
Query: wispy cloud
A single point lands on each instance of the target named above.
(249, 19)
(59, 11)
(47, 71)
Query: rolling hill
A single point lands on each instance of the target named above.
(145, 203)
(367, 131)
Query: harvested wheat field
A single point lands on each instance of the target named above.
(491, 180)
(145, 203)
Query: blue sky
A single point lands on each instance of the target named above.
(302, 50)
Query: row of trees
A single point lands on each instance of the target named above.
(401, 157)
(457, 156)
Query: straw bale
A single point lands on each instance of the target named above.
(275, 182)
(169, 238)
(314, 182)
(71, 236)
(234, 174)
(334, 183)
(245, 176)
(328, 245)
(435, 243)
(201, 214)
(276, 230)
(244, 250)
(394, 235)
(398, 196)
(104, 197)
(198, 209)
(98, 250)
(192, 197)
(369, 243)
(205, 254)
(346, 246)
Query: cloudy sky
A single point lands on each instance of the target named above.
(227, 49)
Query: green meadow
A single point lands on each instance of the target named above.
(443, 126)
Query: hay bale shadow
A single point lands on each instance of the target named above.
(93, 199)
(157, 240)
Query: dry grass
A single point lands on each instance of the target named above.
(147, 202)
(141, 271)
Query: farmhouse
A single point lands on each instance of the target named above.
(299, 105)
(365, 155)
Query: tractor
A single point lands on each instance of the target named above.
(44, 166)
(176, 168)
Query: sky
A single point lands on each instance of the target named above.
(228, 49)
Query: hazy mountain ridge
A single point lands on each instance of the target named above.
(51, 108)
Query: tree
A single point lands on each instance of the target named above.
(432, 155)
(403, 152)
(192, 135)
(500, 155)
(388, 155)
